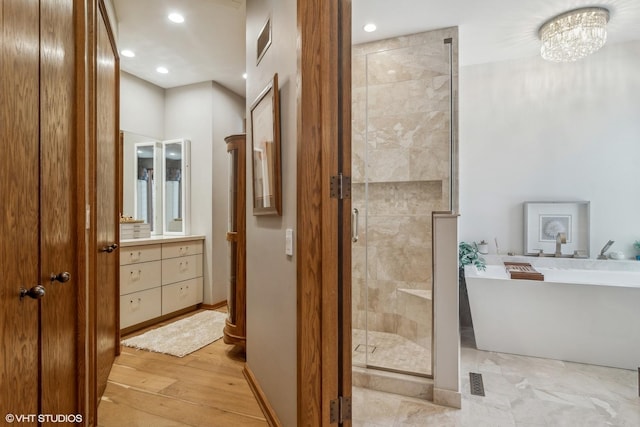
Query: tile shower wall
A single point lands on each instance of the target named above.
(401, 149)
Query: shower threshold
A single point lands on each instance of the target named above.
(390, 352)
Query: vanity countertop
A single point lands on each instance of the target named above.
(153, 240)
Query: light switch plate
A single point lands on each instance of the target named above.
(288, 242)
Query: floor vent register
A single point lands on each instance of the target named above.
(477, 387)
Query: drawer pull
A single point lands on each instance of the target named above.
(184, 266)
(135, 257)
(134, 277)
(184, 250)
(135, 304)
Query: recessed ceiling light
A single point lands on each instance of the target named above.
(176, 17)
(162, 70)
(244, 76)
(369, 28)
(128, 53)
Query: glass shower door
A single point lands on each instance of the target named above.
(401, 151)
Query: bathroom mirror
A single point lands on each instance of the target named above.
(156, 182)
(147, 204)
(142, 188)
(175, 184)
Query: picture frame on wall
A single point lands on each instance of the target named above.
(265, 151)
(543, 221)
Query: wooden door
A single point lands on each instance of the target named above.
(19, 181)
(40, 373)
(60, 373)
(106, 207)
(324, 216)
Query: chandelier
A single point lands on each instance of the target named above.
(574, 34)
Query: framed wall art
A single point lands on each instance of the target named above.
(265, 153)
(543, 221)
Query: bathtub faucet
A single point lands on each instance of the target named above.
(560, 239)
(605, 249)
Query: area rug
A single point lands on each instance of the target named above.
(182, 337)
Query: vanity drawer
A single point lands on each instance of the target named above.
(135, 254)
(181, 249)
(181, 295)
(139, 307)
(138, 277)
(179, 269)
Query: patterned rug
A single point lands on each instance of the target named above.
(182, 337)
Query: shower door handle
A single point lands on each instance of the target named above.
(354, 225)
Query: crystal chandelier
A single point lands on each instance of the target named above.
(574, 34)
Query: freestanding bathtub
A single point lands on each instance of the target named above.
(587, 316)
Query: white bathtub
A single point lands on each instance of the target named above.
(587, 316)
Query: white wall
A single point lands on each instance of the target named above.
(271, 275)
(537, 131)
(190, 113)
(141, 106)
(141, 113)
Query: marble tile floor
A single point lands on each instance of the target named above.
(389, 351)
(520, 391)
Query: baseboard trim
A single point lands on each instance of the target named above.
(450, 398)
(155, 320)
(267, 410)
(213, 306)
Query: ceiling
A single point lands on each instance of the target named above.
(210, 44)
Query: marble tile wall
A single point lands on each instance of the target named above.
(415, 314)
(401, 120)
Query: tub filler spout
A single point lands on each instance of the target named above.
(605, 249)
(560, 239)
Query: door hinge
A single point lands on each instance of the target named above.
(340, 410)
(340, 187)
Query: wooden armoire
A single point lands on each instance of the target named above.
(59, 76)
(235, 325)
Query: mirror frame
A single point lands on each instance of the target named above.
(265, 129)
(185, 176)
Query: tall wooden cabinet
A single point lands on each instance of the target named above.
(48, 179)
(235, 325)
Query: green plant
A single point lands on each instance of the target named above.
(468, 254)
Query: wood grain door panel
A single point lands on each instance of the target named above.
(19, 226)
(58, 211)
(323, 222)
(46, 115)
(106, 208)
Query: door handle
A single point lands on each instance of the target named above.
(354, 225)
(36, 292)
(61, 277)
(109, 248)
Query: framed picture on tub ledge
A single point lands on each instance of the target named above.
(548, 222)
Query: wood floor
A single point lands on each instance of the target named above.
(204, 388)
